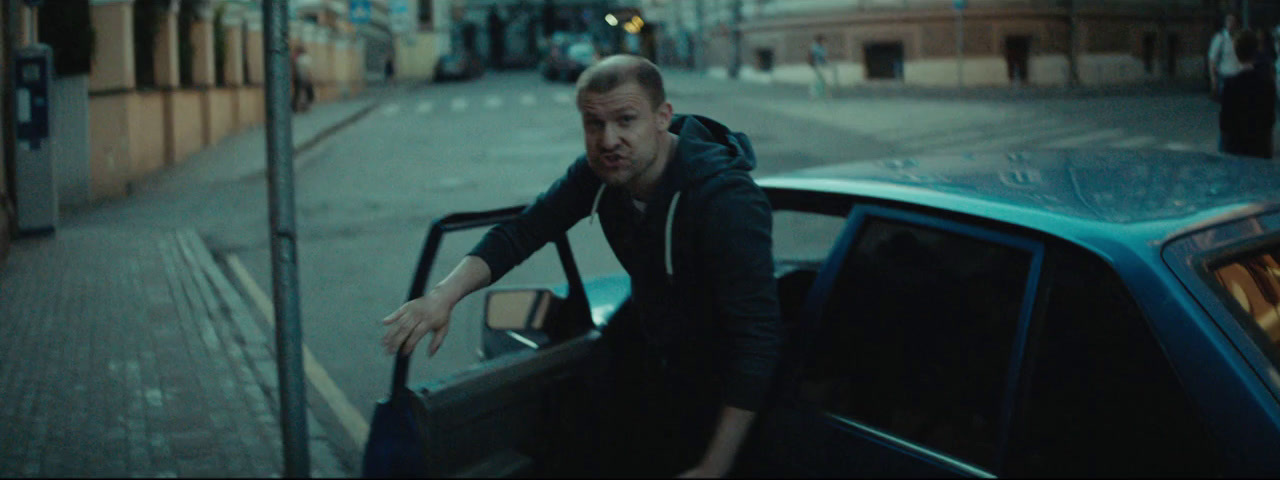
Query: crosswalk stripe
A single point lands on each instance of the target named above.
(527, 99)
(1018, 139)
(981, 132)
(1178, 146)
(391, 109)
(493, 102)
(458, 104)
(425, 107)
(1134, 142)
(1085, 139)
(921, 129)
(562, 97)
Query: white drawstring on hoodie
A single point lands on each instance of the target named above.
(671, 217)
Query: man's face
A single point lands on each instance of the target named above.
(1230, 22)
(622, 131)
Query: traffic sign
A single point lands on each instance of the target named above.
(399, 6)
(361, 11)
(960, 4)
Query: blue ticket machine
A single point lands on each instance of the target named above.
(35, 193)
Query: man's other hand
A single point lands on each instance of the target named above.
(407, 326)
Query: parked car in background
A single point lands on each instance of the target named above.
(567, 57)
(1066, 313)
(458, 67)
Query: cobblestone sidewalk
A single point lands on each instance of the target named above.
(127, 353)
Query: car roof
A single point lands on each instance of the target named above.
(1130, 196)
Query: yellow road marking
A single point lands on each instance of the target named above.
(350, 418)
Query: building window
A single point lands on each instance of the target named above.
(425, 12)
(65, 26)
(884, 60)
(186, 45)
(1017, 54)
(147, 18)
(764, 59)
(1149, 52)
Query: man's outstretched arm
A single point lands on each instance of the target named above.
(430, 312)
(731, 431)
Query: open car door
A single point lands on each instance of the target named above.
(515, 415)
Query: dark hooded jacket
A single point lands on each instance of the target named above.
(699, 256)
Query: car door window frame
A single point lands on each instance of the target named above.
(823, 284)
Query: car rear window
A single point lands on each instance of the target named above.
(1251, 281)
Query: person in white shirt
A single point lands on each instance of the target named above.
(1223, 63)
(303, 88)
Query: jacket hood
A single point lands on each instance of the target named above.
(707, 147)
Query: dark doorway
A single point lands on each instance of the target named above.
(1149, 53)
(1017, 55)
(1171, 58)
(764, 59)
(469, 33)
(884, 60)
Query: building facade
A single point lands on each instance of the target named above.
(934, 43)
(165, 79)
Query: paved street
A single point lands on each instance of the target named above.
(366, 194)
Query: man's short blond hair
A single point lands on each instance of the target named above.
(616, 70)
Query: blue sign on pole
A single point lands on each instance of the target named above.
(361, 11)
(961, 4)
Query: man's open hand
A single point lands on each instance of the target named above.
(407, 326)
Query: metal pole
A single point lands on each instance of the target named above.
(735, 63)
(10, 112)
(699, 62)
(1244, 14)
(960, 47)
(284, 248)
(1073, 40)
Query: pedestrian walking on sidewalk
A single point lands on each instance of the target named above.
(389, 69)
(1248, 103)
(818, 60)
(1223, 62)
(693, 359)
(303, 89)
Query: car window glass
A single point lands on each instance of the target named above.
(804, 236)
(1100, 398)
(459, 351)
(1252, 282)
(916, 335)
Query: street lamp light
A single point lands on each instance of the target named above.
(611, 20)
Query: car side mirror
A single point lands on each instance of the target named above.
(519, 309)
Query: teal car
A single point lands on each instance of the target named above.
(1061, 313)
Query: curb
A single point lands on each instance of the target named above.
(253, 353)
(300, 159)
(5, 235)
(379, 99)
(307, 145)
